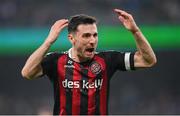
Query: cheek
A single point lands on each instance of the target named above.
(96, 41)
(79, 45)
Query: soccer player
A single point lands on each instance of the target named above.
(81, 76)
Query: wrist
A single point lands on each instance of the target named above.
(134, 31)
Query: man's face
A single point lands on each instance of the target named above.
(85, 41)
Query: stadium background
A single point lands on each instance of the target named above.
(24, 24)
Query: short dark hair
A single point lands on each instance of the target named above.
(76, 20)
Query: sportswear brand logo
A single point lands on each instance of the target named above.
(69, 66)
(85, 85)
(70, 62)
(95, 68)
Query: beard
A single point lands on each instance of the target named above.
(85, 54)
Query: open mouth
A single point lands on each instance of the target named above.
(90, 49)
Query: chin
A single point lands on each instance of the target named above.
(89, 57)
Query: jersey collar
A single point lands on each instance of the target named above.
(70, 53)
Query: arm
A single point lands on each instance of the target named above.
(144, 56)
(32, 68)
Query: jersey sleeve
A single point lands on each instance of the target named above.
(120, 60)
(49, 64)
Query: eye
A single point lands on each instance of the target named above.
(86, 35)
(95, 35)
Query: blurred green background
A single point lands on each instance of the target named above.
(25, 40)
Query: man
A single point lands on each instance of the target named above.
(81, 76)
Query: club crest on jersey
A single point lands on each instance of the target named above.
(95, 68)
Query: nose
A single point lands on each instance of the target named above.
(93, 40)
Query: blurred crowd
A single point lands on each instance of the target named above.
(44, 12)
(25, 105)
(127, 99)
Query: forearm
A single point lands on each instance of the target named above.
(32, 68)
(144, 48)
(144, 57)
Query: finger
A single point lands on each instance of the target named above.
(64, 25)
(121, 18)
(60, 23)
(122, 13)
(60, 27)
(119, 11)
(64, 22)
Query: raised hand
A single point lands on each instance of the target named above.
(127, 20)
(55, 30)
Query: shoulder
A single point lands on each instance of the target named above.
(54, 55)
(109, 53)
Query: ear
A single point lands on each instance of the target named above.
(71, 38)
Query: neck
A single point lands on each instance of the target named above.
(74, 55)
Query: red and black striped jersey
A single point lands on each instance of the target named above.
(83, 88)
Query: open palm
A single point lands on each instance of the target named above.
(127, 20)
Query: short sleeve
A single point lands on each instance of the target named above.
(123, 61)
(49, 64)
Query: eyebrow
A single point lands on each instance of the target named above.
(89, 34)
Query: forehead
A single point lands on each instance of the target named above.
(87, 28)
